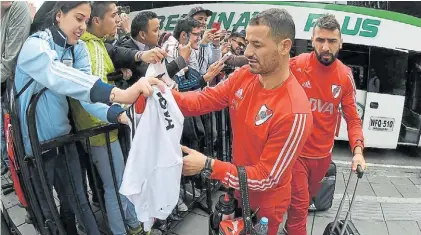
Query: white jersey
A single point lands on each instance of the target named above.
(151, 180)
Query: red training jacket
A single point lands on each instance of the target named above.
(327, 87)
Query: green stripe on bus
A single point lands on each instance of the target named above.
(389, 15)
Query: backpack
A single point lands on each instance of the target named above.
(13, 138)
(13, 165)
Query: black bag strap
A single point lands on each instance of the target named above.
(69, 116)
(24, 88)
(245, 201)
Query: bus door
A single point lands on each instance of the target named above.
(385, 98)
(355, 57)
(359, 78)
(411, 120)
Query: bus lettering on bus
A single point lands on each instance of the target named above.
(228, 20)
(362, 27)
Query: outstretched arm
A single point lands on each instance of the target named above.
(196, 103)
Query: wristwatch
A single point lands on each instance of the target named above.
(207, 171)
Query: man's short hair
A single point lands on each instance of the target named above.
(185, 25)
(99, 8)
(236, 35)
(327, 21)
(278, 20)
(141, 22)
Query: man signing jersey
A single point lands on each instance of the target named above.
(270, 118)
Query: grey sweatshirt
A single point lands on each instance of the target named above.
(15, 26)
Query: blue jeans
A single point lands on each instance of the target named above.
(102, 163)
(73, 202)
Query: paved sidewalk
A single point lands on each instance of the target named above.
(388, 202)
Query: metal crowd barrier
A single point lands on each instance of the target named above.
(216, 143)
(54, 224)
(23, 164)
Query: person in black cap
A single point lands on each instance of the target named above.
(209, 50)
(200, 14)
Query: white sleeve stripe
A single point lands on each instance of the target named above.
(103, 74)
(290, 146)
(72, 72)
(351, 77)
(280, 171)
(204, 61)
(270, 183)
(89, 57)
(98, 61)
(354, 89)
(299, 133)
(295, 149)
(284, 167)
(201, 57)
(61, 70)
(199, 60)
(176, 47)
(75, 76)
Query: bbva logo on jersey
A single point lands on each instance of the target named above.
(164, 105)
(321, 106)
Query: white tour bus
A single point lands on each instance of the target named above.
(383, 49)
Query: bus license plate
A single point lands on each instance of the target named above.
(381, 124)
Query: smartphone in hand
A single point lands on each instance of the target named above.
(216, 26)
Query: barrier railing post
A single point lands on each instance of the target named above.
(22, 163)
(37, 154)
(96, 184)
(116, 188)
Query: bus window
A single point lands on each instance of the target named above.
(359, 76)
(357, 58)
(387, 73)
